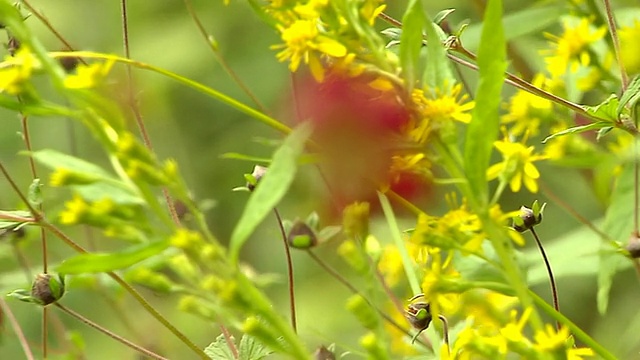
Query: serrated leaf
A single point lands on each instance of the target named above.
(271, 189)
(250, 349)
(219, 349)
(105, 262)
(35, 193)
(411, 40)
(483, 129)
(579, 129)
(56, 160)
(606, 110)
(630, 96)
(618, 225)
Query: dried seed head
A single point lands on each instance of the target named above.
(69, 63)
(301, 236)
(419, 315)
(633, 247)
(526, 219)
(47, 289)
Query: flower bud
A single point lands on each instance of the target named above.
(355, 220)
(526, 220)
(47, 289)
(322, 353)
(419, 315)
(256, 175)
(301, 236)
(359, 307)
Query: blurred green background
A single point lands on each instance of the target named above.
(197, 130)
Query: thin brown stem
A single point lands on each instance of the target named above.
(552, 281)
(141, 300)
(425, 342)
(109, 333)
(445, 331)
(6, 310)
(48, 25)
(209, 39)
(287, 251)
(611, 23)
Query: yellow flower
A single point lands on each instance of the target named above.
(304, 42)
(16, 70)
(88, 76)
(371, 9)
(390, 265)
(74, 211)
(434, 284)
(630, 47)
(445, 106)
(517, 165)
(526, 111)
(555, 343)
(571, 49)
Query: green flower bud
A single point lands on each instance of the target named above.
(359, 307)
(254, 178)
(355, 220)
(150, 279)
(301, 236)
(374, 347)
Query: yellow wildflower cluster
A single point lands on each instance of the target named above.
(488, 342)
(526, 111)
(630, 47)
(16, 70)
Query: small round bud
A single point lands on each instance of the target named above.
(69, 63)
(257, 174)
(419, 315)
(633, 247)
(526, 219)
(47, 289)
(301, 236)
(322, 353)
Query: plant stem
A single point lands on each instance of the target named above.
(6, 310)
(112, 335)
(576, 330)
(552, 281)
(287, 252)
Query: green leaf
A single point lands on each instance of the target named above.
(116, 190)
(413, 22)
(606, 110)
(529, 21)
(96, 263)
(35, 193)
(483, 129)
(271, 189)
(618, 225)
(250, 349)
(630, 96)
(442, 15)
(579, 129)
(57, 160)
(437, 72)
(9, 224)
(219, 349)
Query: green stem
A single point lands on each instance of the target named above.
(577, 332)
(397, 238)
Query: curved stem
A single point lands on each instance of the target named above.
(112, 335)
(6, 310)
(552, 281)
(287, 252)
(445, 332)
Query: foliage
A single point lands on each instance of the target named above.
(386, 124)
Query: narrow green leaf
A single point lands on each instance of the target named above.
(96, 263)
(579, 129)
(618, 225)
(413, 22)
(631, 96)
(56, 160)
(271, 189)
(442, 15)
(7, 223)
(529, 21)
(437, 72)
(484, 126)
(116, 190)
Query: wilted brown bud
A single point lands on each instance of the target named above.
(419, 315)
(47, 289)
